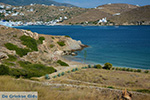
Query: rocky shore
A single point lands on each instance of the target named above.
(48, 52)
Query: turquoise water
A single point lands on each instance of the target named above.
(123, 46)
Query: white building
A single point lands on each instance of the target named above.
(2, 6)
(103, 20)
(116, 14)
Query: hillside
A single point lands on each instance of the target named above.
(89, 15)
(28, 2)
(25, 52)
(100, 12)
(116, 8)
(140, 15)
(42, 13)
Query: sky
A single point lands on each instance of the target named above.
(95, 3)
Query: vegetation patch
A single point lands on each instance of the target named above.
(144, 90)
(29, 42)
(61, 43)
(62, 63)
(11, 58)
(36, 70)
(40, 41)
(52, 45)
(67, 36)
(107, 66)
(4, 70)
(20, 51)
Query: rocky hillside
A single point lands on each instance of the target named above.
(28, 2)
(137, 16)
(42, 13)
(116, 8)
(89, 15)
(20, 46)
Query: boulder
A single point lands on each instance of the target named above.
(3, 56)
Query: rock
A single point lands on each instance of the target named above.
(3, 56)
(31, 34)
(58, 52)
(73, 54)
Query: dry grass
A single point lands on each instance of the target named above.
(52, 92)
(130, 80)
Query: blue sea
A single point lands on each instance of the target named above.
(123, 46)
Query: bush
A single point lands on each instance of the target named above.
(53, 38)
(76, 69)
(40, 41)
(110, 87)
(123, 69)
(107, 66)
(4, 70)
(59, 75)
(113, 68)
(54, 76)
(51, 46)
(29, 42)
(89, 66)
(68, 72)
(47, 76)
(128, 69)
(62, 63)
(11, 58)
(146, 71)
(36, 70)
(139, 70)
(61, 43)
(20, 51)
(73, 70)
(62, 73)
(67, 36)
(98, 66)
(144, 90)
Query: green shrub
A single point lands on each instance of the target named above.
(89, 66)
(68, 72)
(11, 58)
(40, 41)
(67, 36)
(53, 38)
(29, 42)
(128, 69)
(20, 51)
(107, 66)
(110, 87)
(54, 76)
(51, 46)
(98, 66)
(123, 69)
(144, 90)
(59, 75)
(131, 70)
(62, 63)
(47, 76)
(146, 71)
(62, 73)
(61, 43)
(73, 70)
(139, 70)
(4, 70)
(8, 63)
(113, 68)
(76, 69)
(117, 68)
(36, 70)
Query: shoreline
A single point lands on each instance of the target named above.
(93, 63)
(72, 25)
